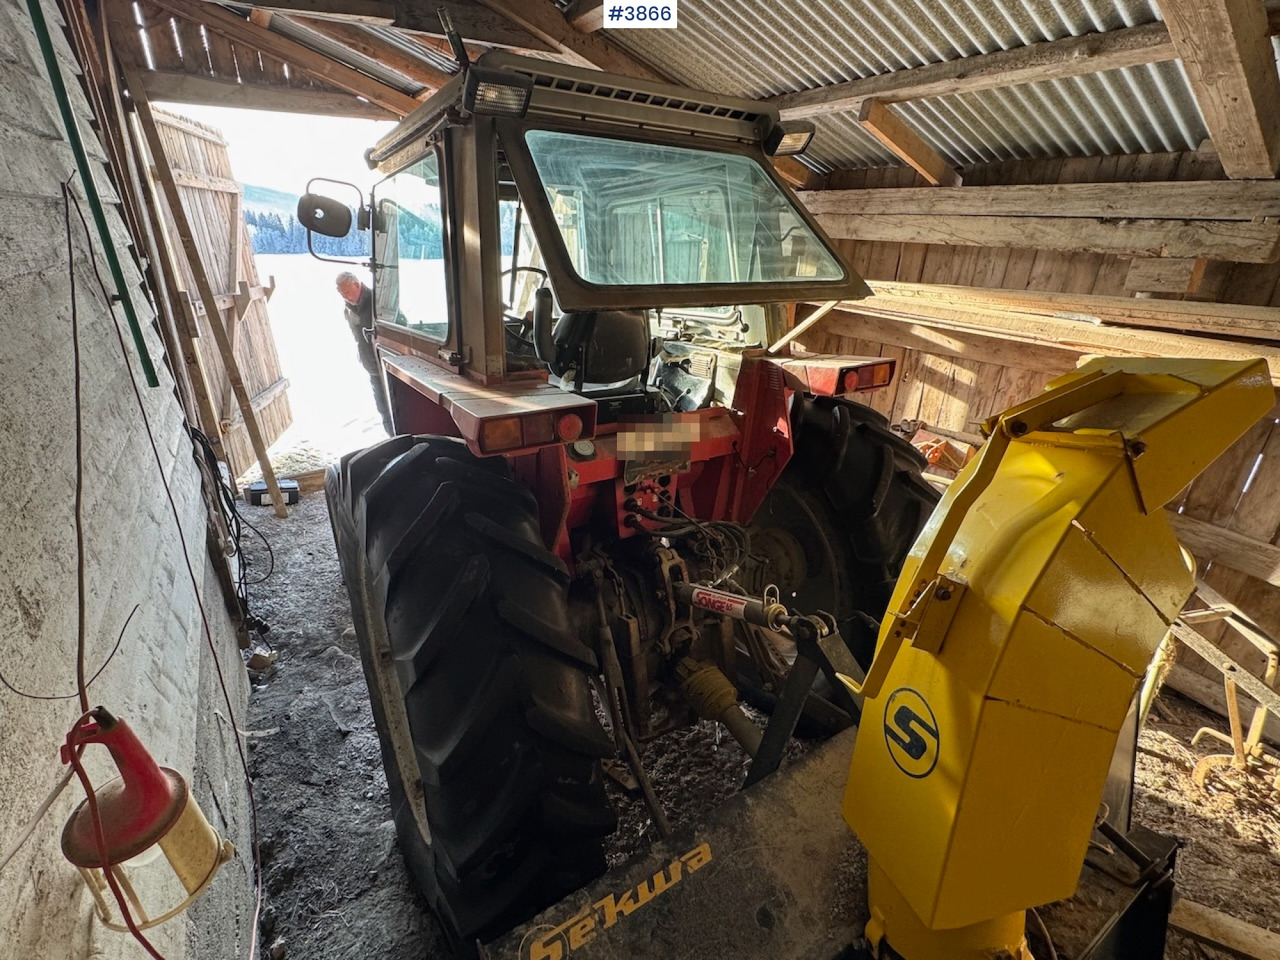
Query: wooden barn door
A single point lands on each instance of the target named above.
(213, 202)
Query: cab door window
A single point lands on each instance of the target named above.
(409, 271)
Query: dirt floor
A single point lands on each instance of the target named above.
(336, 887)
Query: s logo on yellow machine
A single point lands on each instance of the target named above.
(911, 733)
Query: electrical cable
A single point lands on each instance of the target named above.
(82, 687)
(195, 585)
(88, 683)
(30, 828)
(227, 506)
(1043, 929)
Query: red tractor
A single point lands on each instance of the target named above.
(611, 508)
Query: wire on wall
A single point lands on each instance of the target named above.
(191, 573)
(226, 501)
(82, 688)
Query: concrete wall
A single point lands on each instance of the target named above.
(162, 679)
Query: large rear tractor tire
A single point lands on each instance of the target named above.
(843, 516)
(479, 687)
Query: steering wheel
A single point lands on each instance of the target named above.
(516, 326)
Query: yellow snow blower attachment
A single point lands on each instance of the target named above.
(1017, 638)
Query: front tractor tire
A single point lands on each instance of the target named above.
(839, 523)
(480, 690)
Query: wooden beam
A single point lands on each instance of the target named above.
(200, 181)
(471, 20)
(1211, 543)
(262, 400)
(798, 175)
(1050, 359)
(185, 88)
(387, 54)
(1216, 240)
(295, 54)
(1217, 929)
(1195, 279)
(543, 19)
(1227, 54)
(351, 11)
(587, 16)
(1225, 320)
(1160, 200)
(177, 212)
(1212, 695)
(1166, 275)
(1034, 63)
(807, 323)
(1052, 60)
(192, 388)
(878, 119)
(1081, 336)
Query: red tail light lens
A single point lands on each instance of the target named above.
(569, 427)
(870, 377)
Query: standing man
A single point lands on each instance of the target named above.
(359, 313)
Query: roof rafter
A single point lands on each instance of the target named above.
(351, 11)
(1051, 60)
(543, 19)
(388, 54)
(878, 119)
(229, 25)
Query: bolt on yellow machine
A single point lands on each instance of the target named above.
(995, 712)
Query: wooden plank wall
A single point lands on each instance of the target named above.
(213, 204)
(1023, 269)
(956, 385)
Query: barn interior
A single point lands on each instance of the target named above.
(1024, 185)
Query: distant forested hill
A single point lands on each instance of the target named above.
(271, 216)
(266, 200)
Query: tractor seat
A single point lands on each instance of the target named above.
(593, 346)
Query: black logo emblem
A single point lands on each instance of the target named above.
(911, 733)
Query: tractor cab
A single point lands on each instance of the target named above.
(593, 249)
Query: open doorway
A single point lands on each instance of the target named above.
(274, 155)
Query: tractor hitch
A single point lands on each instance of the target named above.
(819, 647)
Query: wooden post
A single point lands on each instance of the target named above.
(207, 297)
(1225, 48)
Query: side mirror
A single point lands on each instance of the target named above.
(324, 215)
(330, 217)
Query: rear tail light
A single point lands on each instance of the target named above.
(569, 427)
(520, 432)
(538, 428)
(870, 377)
(501, 433)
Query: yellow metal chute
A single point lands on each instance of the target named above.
(1016, 639)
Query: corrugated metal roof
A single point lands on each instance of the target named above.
(406, 45)
(297, 30)
(760, 48)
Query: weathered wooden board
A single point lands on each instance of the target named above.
(202, 171)
(1241, 241)
(1162, 200)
